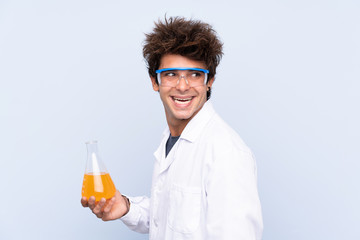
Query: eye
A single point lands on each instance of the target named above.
(196, 74)
(169, 74)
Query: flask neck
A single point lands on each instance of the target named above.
(94, 165)
(92, 147)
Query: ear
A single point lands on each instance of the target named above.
(210, 82)
(154, 84)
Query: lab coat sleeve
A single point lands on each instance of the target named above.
(137, 219)
(233, 206)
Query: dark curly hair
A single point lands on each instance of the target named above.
(189, 38)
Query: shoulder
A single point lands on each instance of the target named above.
(221, 136)
(227, 156)
(225, 148)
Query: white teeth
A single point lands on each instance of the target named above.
(182, 99)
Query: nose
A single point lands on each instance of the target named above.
(182, 85)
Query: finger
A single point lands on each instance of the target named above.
(106, 217)
(107, 209)
(91, 202)
(99, 206)
(109, 205)
(84, 202)
(98, 210)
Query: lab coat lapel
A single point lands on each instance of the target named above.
(164, 162)
(194, 128)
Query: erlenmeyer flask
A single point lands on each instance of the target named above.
(97, 181)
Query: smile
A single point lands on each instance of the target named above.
(182, 100)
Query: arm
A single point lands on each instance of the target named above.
(234, 210)
(137, 219)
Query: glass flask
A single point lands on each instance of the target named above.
(97, 181)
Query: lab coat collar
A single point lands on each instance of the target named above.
(163, 161)
(160, 152)
(197, 124)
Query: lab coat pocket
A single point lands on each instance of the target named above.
(184, 209)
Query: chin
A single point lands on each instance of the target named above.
(182, 116)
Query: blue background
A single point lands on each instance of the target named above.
(72, 71)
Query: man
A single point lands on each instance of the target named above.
(204, 180)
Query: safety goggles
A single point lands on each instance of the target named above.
(170, 77)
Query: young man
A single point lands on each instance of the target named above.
(204, 180)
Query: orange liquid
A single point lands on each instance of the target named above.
(98, 185)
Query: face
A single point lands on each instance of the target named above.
(181, 102)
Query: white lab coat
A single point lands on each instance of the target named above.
(206, 188)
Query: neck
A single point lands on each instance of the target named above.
(177, 127)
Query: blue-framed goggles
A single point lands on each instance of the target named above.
(170, 77)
